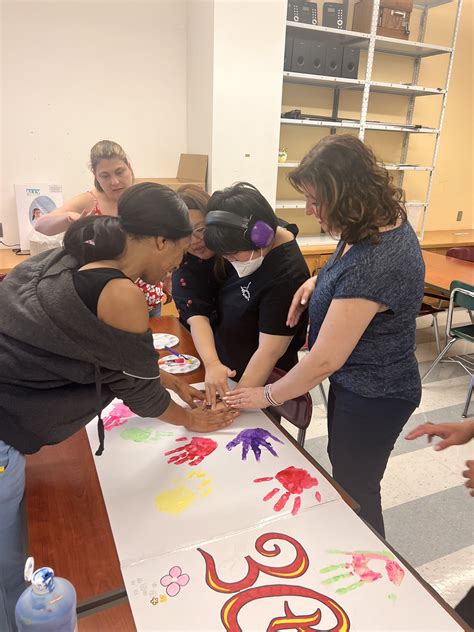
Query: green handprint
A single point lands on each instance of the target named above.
(359, 567)
(144, 435)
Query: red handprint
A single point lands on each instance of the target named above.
(295, 480)
(193, 452)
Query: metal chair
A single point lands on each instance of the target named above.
(297, 411)
(462, 295)
(468, 398)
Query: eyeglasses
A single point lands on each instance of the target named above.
(199, 232)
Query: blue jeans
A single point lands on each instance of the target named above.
(12, 533)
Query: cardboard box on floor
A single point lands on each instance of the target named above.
(192, 169)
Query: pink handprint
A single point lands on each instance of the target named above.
(295, 480)
(193, 452)
(119, 415)
(359, 567)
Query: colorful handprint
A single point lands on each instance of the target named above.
(358, 567)
(295, 480)
(117, 416)
(193, 452)
(255, 439)
(144, 435)
(184, 493)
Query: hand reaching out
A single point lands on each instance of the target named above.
(188, 393)
(451, 433)
(217, 375)
(202, 420)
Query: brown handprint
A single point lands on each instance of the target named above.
(359, 567)
(193, 452)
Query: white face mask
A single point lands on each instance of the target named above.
(245, 268)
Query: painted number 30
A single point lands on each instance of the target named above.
(245, 592)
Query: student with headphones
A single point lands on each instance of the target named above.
(261, 267)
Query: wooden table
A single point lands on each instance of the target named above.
(8, 260)
(442, 270)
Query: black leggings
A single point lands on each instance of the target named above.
(362, 432)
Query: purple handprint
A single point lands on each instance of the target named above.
(253, 438)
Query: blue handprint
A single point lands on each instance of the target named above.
(253, 438)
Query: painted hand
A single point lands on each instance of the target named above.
(358, 568)
(253, 438)
(193, 452)
(246, 397)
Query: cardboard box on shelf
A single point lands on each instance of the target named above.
(192, 169)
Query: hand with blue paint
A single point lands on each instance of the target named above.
(254, 438)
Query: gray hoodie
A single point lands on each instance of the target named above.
(59, 364)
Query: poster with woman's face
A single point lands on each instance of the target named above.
(32, 202)
(41, 205)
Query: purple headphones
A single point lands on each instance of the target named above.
(259, 233)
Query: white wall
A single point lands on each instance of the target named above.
(200, 77)
(77, 72)
(249, 42)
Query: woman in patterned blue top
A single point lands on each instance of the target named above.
(362, 307)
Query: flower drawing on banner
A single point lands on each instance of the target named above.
(295, 481)
(174, 581)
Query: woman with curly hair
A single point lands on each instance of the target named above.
(362, 308)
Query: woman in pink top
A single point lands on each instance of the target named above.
(112, 175)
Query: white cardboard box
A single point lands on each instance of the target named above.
(32, 201)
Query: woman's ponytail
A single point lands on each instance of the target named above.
(95, 238)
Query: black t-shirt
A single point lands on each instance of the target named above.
(240, 308)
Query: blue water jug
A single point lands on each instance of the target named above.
(48, 605)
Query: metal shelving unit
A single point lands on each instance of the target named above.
(377, 44)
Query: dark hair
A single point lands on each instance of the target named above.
(244, 200)
(357, 194)
(144, 210)
(194, 197)
(106, 150)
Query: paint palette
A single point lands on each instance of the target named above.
(160, 341)
(183, 364)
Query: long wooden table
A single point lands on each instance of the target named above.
(441, 271)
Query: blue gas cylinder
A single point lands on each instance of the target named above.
(48, 605)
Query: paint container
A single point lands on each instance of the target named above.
(48, 605)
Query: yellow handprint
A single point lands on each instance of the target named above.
(184, 494)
